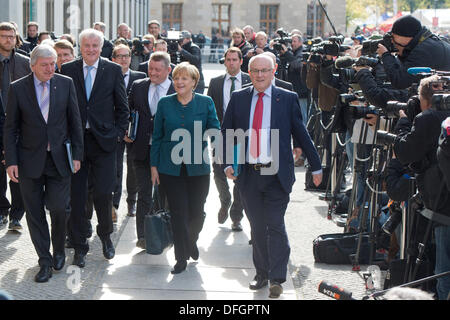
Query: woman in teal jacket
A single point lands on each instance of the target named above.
(177, 159)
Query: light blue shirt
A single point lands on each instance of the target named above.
(38, 88)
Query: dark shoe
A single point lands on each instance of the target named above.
(141, 243)
(114, 215)
(3, 221)
(89, 230)
(275, 289)
(258, 283)
(250, 242)
(68, 244)
(236, 226)
(194, 252)
(59, 260)
(44, 274)
(179, 267)
(131, 210)
(14, 225)
(79, 260)
(108, 249)
(222, 215)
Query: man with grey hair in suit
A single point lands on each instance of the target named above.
(42, 115)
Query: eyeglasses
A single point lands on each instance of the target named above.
(122, 56)
(262, 71)
(7, 37)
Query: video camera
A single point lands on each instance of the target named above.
(284, 38)
(138, 45)
(173, 40)
(370, 47)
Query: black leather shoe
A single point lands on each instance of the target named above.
(275, 289)
(59, 260)
(194, 252)
(179, 267)
(131, 210)
(108, 249)
(236, 226)
(79, 260)
(44, 274)
(222, 216)
(258, 283)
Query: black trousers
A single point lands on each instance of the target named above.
(220, 179)
(100, 166)
(15, 208)
(131, 181)
(186, 196)
(265, 203)
(144, 197)
(52, 191)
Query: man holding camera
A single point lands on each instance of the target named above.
(417, 47)
(191, 53)
(416, 145)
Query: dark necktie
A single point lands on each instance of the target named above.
(255, 147)
(233, 79)
(6, 81)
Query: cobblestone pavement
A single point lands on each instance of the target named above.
(305, 220)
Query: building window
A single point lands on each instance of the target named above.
(268, 20)
(172, 13)
(50, 14)
(319, 20)
(221, 19)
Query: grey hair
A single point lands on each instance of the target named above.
(101, 25)
(42, 51)
(91, 33)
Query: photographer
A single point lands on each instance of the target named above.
(417, 47)
(294, 59)
(141, 50)
(416, 145)
(191, 53)
(261, 45)
(238, 40)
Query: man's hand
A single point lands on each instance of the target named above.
(297, 152)
(381, 50)
(13, 173)
(127, 140)
(76, 165)
(229, 172)
(402, 114)
(371, 119)
(317, 179)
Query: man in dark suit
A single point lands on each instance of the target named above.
(143, 98)
(102, 99)
(108, 47)
(266, 176)
(122, 55)
(42, 114)
(220, 90)
(160, 45)
(13, 66)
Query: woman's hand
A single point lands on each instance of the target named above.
(155, 176)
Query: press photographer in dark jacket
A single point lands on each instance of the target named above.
(191, 53)
(417, 47)
(416, 145)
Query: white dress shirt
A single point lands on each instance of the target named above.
(126, 78)
(227, 87)
(163, 88)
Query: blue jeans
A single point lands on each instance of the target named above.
(304, 109)
(442, 236)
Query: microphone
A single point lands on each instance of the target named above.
(417, 70)
(334, 291)
(344, 62)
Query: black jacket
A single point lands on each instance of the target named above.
(376, 94)
(424, 50)
(107, 49)
(191, 53)
(244, 47)
(416, 145)
(107, 109)
(295, 60)
(397, 180)
(443, 156)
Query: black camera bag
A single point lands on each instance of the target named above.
(336, 248)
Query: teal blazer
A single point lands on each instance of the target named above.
(170, 116)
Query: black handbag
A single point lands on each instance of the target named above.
(158, 227)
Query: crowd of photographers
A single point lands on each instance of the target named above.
(386, 95)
